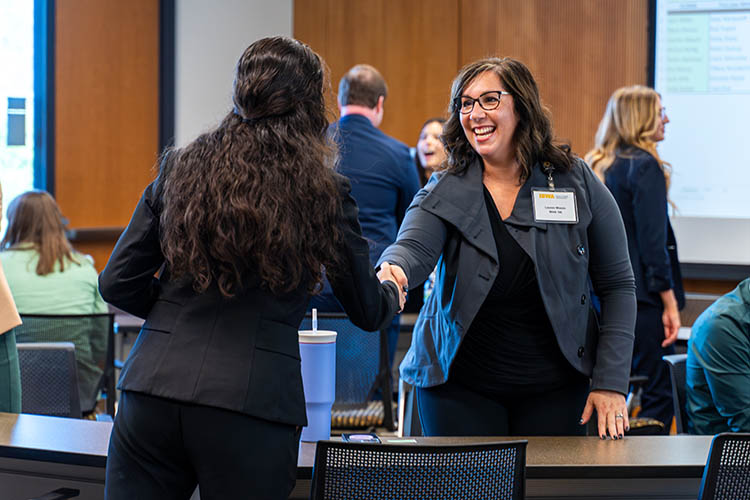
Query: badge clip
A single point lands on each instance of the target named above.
(548, 169)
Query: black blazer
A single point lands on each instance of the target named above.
(242, 353)
(637, 183)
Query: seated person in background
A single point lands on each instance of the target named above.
(10, 375)
(46, 276)
(718, 366)
(430, 150)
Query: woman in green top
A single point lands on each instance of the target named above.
(46, 276)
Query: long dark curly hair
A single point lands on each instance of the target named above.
(533, 138)
(257, 197)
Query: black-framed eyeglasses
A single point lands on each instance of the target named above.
(487, 101)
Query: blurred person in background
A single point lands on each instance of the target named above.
(429, 158)
(47, 276)
(718, 366)
(10, 373)
(430, 155)
(379, 167)
(626, 159)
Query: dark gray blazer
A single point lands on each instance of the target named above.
(448, 221)
(242, 353)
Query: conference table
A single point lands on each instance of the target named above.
(637, 467)
(39, 454)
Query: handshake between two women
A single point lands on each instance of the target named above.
(395, 274)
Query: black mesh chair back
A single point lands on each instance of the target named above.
(93, 337)
(362, 373)
(677, 374)
(49, 380)
(727, 472)
(359, 471)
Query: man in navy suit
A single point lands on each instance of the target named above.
(382, 173)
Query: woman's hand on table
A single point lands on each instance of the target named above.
(611, 411)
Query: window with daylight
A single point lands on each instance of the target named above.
(22, 28)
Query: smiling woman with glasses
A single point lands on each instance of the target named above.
(507, 344)
(625, 158)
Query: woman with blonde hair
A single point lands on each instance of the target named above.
(47, 276)
(625, 158)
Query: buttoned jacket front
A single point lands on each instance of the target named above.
(448, 224)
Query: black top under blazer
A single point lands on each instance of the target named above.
(637, 182)
(239, 353)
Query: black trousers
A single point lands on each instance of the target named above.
(656, 399)
(453, 409)
(161, 449)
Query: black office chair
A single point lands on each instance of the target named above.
(93, 337)
(49, 381)
(727, 472)
(358, 471)
(363, 374)
(677, 374)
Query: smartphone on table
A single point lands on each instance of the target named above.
(368, 437)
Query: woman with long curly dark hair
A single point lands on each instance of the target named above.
(504, 344)
(239, 225)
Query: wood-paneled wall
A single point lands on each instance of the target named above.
(106, 111)
(579, 51)
(106, 77)
(412, 43)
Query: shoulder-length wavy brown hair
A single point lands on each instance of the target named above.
(533, 138)
(257, 194)
(629, 120)
(35, 219)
